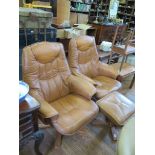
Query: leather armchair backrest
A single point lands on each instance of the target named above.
(83, 55)
(45, 69)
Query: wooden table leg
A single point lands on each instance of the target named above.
(132, 82)
(126, 58)
(38, 136)
(122, 63)
(114, 133)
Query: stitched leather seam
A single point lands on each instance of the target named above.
(38, 81)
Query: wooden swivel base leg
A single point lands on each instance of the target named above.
(38, 136)
(114, 132)
(99, 123)
(108, 123)
(58, 140)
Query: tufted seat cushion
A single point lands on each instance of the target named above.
(117, 107)
(107, 85)
(72, 116)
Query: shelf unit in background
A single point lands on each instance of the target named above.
(127, 13)
(79, 12)
(102, 11)
(80, 7)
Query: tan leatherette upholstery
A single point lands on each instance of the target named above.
(84, 62)
(62, 96)
(117, 107)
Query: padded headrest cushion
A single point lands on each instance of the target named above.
(84, 42)
(45, 52)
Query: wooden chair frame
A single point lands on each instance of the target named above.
(128, 41)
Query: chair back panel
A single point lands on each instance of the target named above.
(45, 68)
(83, 55)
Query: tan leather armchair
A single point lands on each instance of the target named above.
(84, 62)
(64, 98)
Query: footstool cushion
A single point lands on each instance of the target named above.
(117, 107)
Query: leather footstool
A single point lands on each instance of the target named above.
(116, 107)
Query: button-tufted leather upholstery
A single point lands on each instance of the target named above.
(117, 107)
(62, 96)
(84, 62)
(75, 110)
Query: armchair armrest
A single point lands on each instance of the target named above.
(46, 110)
(81, 87)
(107, 70)
(75, 72)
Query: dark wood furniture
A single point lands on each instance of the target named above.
(106, 32)
(28, 123)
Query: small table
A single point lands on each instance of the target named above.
(104, 56)
(28, 123)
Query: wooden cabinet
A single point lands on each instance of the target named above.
(106, 32)
(28, 123)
